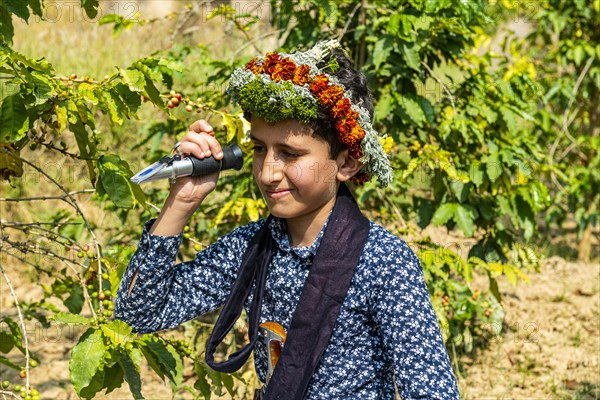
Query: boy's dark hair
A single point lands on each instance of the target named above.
(355, 83)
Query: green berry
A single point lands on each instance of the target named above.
(105, 275)
(186, 228)
(107, 293)
(17, 388)
(80, 254)
(186, 235)
(197, 247)
(33, 363)
(90, 287)
(5, 384)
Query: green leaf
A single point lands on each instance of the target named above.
(17, 7)
(113, 377)
(14, 120)
(87, 91)
(464, 217)
(412, 109)
(131, 99)
(381, 51)
(6, 342)
(443, 214)
(411, 56)
(16, 333)
(36, 7)
(133, 78)
(75, 300)
(153, 94)
(8, 363)
(493, 168)
(6, 27)
(90, 7)
(164, 360)
(43, 87)
(67, 318)
(87, 357)
(118, 332)
(130, 366)
(115, 174)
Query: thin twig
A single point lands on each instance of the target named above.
(63, 197)
(23, 329)
(24, 261)
(24, 248)
(7, 392)
(347, 25)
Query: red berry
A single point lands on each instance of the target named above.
(178, 96)
(22, 373)
(170, 104)
(73, 76)
(101, 296)
(175, 100)
(189, 108)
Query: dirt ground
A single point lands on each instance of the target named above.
(549, 347)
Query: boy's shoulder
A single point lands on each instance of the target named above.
(385, 250)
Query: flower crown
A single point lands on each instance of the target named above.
(283, 86)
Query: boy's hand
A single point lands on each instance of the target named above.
(189, 192)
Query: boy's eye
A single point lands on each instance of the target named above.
(258, 148)
(290, 154)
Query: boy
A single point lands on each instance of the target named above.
(349, 294)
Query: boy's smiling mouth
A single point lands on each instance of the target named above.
(277, 193)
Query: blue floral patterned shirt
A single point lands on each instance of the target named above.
(386, 331)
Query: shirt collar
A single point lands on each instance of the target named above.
(279, 232)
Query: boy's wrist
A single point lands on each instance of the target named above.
(173, 217)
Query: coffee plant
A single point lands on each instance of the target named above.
(472, 127)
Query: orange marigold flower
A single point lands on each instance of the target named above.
(252, 66)
(269, 63)
(341, 108)
(283, 70)
(331, 95)
(319, 83)
(349, 132)
(301, 76)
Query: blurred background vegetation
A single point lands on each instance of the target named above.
(493, 106)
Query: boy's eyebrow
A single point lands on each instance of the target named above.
(285, 145)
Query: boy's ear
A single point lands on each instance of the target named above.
(347, 166)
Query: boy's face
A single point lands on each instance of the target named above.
(293, 169)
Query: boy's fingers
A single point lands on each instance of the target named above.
(201, 126)
(201, 145)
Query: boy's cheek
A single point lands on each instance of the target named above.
(324, 171)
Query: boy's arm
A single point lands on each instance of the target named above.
(166, 294)
(410, 331)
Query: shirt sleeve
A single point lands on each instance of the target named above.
(410, 331)
(165, 294)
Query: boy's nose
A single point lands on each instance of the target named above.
(271, 171)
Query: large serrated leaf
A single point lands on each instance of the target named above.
(115, 174)
(118, 332)
(132, 373)
(67, 318)
(17, 7)
(465, 218)
(164, 360)
(14, 120)
(443, 214)
(87, 357)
